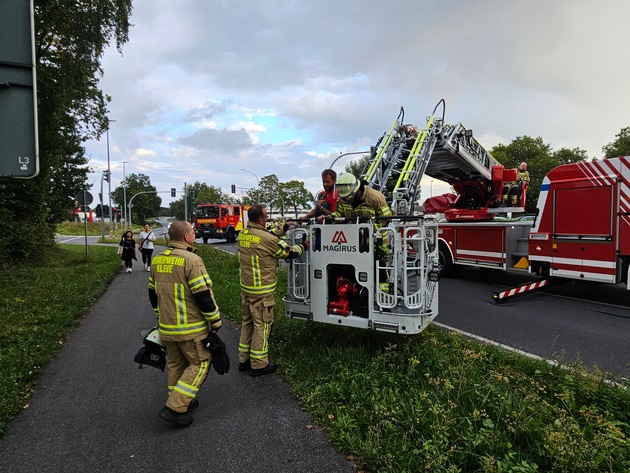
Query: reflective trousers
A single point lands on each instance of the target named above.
(257, 313)
(187, 363)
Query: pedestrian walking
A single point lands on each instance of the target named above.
(127, 250)
(145, 245)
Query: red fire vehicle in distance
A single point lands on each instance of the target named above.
(219, 221)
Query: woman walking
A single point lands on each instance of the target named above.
(127, 249)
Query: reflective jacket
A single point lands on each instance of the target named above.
(258, 253)
(180, 292)
(371, 204)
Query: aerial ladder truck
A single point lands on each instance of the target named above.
(339, 281)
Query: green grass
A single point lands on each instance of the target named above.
(432, 402)
(39, 306)
(439, 402)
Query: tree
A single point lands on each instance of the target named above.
(143, 205)
(296, 196)
(269, 191)
(620, 146)
(199, 193)
(70, 39)
(356, 166)
(540, 159)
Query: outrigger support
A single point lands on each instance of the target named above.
(502, 296)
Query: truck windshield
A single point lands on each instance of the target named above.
(207, 212)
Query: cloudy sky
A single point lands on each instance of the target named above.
(205, 89)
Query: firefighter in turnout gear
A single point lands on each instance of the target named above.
(180, 292)
(357, 200)
(512, 191)
(259, 251)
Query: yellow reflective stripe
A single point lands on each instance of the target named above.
(212, 316)
(183, 329)
(198, 282)
(386, 211)
(201, 375)
(243, 347)
(151, 283)
(180, 303)
(256, 273)
(186, 389)
(266, 330)
(259, 290)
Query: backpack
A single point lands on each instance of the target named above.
(151, 353)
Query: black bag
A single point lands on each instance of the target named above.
(151, 354)
(220, 359)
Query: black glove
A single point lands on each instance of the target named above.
(220, 359)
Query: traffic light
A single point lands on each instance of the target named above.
(233, 189)
(173, 192)
(106, 175)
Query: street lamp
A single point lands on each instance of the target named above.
(125, 193)
(258, 180)
(109, 173)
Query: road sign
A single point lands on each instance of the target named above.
(18, 95)
(84, 198)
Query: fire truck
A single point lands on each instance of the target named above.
(581, 231)
(220, 221)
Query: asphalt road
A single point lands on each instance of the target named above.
(568, 323)
(94, 410)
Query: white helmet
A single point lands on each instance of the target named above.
(152, 335)
(347, 185)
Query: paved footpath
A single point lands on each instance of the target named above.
(93, 410)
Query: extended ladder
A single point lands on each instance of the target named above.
(400, 159)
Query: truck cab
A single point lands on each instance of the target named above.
(219, 221)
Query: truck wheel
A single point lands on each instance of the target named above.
(446, 266)
(231, 236)
(205, 240)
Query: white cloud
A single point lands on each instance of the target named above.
(205, 89)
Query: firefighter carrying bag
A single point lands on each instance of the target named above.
(152, 352)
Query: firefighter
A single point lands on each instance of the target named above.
(512, 191)
(356, 199)
(180, 292)
(259, 251)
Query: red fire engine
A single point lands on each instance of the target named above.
(581, 230)
(221, 221)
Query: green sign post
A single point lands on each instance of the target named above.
(19, 155)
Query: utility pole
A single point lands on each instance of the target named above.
(109, 180)
(125, 193)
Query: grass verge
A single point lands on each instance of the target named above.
(439, 402)
(40, 303)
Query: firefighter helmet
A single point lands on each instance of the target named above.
(347, 185)
(152, 335)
